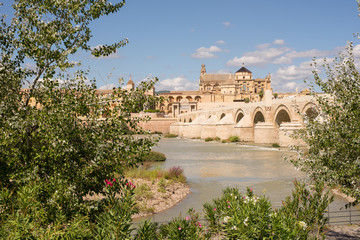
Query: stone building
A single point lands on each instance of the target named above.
(239, 84)
(216, 88)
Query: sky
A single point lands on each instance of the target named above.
(171, 39)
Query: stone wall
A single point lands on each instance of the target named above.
(158, 124)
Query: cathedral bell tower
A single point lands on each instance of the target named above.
(202, 73)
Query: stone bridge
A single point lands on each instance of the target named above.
(268, 121)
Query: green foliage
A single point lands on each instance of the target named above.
(188, 228)
(217, 139)
(275, 145)
(234, 139)
(261, 94)
(275, 95)
(54, 150)
(237, 216)
(152, 110)
(154, 156)
(209, 139)
(333, 137)
(170, 135)
(247, 100)
(148, 230)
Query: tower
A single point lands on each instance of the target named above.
(130, 86)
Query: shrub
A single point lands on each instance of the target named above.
(175, 172)
(275, 145)
(170, 135)
(183, 228)
(209, 139)
(248, 216)
(154, 156)
(234, 139)
(217, 139)
(247, 100)
(147, 230)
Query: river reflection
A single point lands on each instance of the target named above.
(212, 166)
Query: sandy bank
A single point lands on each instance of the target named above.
(158, 195)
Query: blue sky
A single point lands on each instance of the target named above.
(171, 39)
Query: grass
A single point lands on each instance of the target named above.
(154, 156)
(170, 135)
(175, 173)
(143, 192)
(234, 139)
(209, 139)
(231, 139)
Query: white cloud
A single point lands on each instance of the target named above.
(294, 72)
(288, 57)
(180, 83)
(220, 42)
(226, 24)
(204, 52)
(107, 86)
(262, 46)
(259, 57)
(279, 42)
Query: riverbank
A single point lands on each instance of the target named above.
(157, 195)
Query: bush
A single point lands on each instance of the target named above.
(154, 156)
(183, 228)
(170, 135)
(234, 139)
(301, 214)
(209, 139)
(275, 145)
(247, 100)
(217, 139)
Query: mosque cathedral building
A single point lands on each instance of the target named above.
(216, 87)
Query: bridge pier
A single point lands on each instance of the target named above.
(265, 133)
(285, 132)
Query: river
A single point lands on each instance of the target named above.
(212, 166)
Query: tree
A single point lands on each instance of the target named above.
(261, 94)
(333, 137)
(56, 152)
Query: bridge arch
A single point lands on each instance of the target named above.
(239, 115)
(189, 98)
(282, 114)
(311, 110)
(258, 116)
(198, 99)
(179, 98)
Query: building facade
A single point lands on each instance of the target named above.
(216, 88)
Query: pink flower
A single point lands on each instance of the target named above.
(251, 189)
(187, 218)
(179, 228)
(114, 180)
(228, 206)
(228, 201)
(199, 225)
(214, 209)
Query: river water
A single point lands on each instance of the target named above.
(212, 166)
